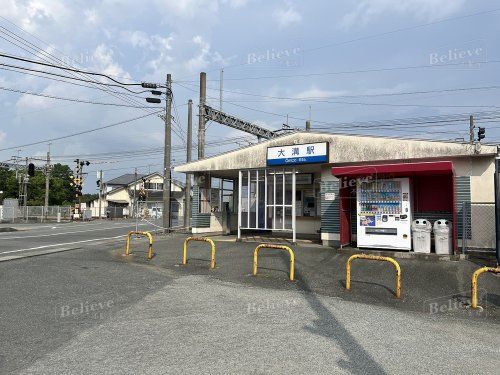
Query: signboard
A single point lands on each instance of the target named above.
(298, 154)
(329, 196)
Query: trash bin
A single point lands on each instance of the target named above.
(443, 236)
(421, 231)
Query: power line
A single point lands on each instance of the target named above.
(375, 70)
(79, 133)
(312, 98)
(70, 99)
(17, 69)
(97, 84)
(69, 77)
(18, 58)
(373, 36)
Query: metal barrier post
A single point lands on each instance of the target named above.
(201, 239)
(374, 257)
(272, 246)
(475, 276)
(147, 234)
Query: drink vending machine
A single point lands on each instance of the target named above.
(384, 214)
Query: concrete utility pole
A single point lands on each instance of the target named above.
(471, 129)
(167, 172)
(134, 205)
(100, 192)
(187, 191)
(221, 85)
(47, 182)
(201, 117)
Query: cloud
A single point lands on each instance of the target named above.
(287, 16)
(103, 62)
(204, 57)
(428, 10)
(3, 136)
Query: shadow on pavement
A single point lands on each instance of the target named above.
(327, 325)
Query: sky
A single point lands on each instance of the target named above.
(349, 66)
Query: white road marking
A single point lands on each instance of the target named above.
(63, 244)
(62, 233)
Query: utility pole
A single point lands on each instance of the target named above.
(187, 191)
(100, 193)
(497, 206)
(201, 117)
(47, 182)
(221, 85)
(25, 191)
(308, 125)
(471, 129)
(167, 172)
(134, 204)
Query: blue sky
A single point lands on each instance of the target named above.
(368, 46)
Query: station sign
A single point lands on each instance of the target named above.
(298, 154)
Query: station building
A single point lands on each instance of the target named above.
(345, 190)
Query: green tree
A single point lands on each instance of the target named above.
(61, 192)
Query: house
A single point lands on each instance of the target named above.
(122, 193)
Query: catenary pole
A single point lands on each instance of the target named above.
(187, 191)
(201, 117)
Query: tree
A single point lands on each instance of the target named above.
(61, 192)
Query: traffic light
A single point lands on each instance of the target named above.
(153, 100)
(480, 134)
(148, 85)
(31, 169)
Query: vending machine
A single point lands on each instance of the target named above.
(384, 214)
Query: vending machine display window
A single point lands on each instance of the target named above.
(384, 214)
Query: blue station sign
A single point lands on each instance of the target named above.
(298, 154)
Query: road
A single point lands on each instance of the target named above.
(31, 240)
(93, 310)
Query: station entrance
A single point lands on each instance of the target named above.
(267, 200)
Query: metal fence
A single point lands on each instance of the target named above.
(478, 227)
(153, 212)
(15, 214)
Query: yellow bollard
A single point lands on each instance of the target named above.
(139, 233)
(202, 239)
(272, 246)
(374, 257)
(475, 277)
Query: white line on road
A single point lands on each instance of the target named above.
(62, 244)
(62, 233)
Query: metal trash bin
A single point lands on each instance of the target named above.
(421, 233)
(443, 236)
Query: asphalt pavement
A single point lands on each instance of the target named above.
(34, 239)
(94, 310)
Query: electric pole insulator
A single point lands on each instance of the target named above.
(153, 100)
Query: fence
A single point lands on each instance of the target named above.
(478, 227)
(15, 214)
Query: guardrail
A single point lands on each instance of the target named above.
(374, 257)
(202, 239)
(475, 276)
(140, 233)
(272, 246)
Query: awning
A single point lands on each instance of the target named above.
(396, 170)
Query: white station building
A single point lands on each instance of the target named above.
(346, 190)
